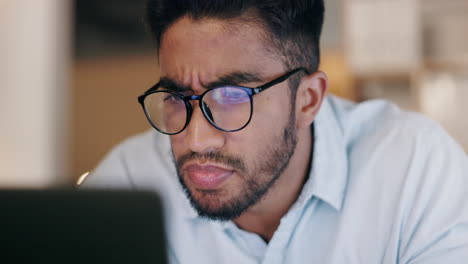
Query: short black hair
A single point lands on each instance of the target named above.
(293, 26)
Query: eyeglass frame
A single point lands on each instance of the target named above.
(188, 106)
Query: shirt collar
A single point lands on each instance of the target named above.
(329, 171)
(328, 174)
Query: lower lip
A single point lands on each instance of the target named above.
(208, 177)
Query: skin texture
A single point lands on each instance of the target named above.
(197, 53)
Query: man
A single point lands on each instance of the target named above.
(258, 165)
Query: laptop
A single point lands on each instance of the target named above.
(69, 226)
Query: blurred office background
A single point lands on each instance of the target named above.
(70, 73)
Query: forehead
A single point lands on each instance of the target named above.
(208, 48)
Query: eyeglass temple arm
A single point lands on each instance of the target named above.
(279, 80)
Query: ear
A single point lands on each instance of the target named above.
(309, 98)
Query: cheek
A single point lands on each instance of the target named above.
(177, 144)
(271, 113)
(264, 130)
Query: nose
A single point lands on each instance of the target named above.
(201, 136)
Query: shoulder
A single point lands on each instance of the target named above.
(140, 162)
(400, 158)
(378, 117)
(380, 127)
(378, 132)
(406, 173)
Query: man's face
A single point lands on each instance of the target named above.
(225, 173)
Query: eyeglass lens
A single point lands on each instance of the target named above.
(228, 108)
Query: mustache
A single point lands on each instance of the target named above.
(217, 157)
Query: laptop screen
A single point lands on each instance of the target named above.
(81, 227)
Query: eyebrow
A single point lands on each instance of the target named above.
(234, 78)
(172, 85)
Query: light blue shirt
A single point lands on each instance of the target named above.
(385, 186)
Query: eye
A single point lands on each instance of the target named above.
(172, 99)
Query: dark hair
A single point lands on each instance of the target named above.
(293, 27)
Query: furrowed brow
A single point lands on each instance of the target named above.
(235, 78)
(169, 84)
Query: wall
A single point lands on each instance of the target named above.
(34, 101)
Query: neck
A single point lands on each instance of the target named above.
(264, 217)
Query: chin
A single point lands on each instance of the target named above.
(215, 205)
(210, 199)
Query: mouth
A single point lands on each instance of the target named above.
(207, 176)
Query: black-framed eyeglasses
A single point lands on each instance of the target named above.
(228, 108)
